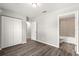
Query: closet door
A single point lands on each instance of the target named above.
(17, 32)
(11, 31)
(7, 32)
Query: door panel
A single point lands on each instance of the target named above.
(17, 32)
(7, 32)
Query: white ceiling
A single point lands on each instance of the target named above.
(27, 9)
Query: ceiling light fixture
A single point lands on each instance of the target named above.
(35, 4)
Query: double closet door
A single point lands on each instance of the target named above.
(11, 31)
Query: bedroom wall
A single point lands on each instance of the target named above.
(47, 26)
(0, 33)
(0, 29)
(78, 34)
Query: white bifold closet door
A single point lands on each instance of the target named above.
(17, 32)
(11, 31)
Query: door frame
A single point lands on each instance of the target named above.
(76, 27)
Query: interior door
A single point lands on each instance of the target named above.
(33, 30)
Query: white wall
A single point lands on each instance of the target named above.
(47, 29)
(28, 30)
(0, 31)
(78, 34)
(47, 26)
(24, 28)
(33, 30)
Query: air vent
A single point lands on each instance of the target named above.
(44, 11)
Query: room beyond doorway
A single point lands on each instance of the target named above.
(68, 31)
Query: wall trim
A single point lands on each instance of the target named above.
(71, 40)
(23, 42)
(12, 17)
(47, 43)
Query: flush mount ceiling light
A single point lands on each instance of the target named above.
(35, 5)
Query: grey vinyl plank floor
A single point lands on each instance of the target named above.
(33, 48)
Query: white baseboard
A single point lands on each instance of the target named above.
(47, 43)
(23, 42)
(68, 39)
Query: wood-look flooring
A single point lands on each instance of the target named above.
(33, 48)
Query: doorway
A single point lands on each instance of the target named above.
(68, 36)
(28, 31)
(31, 31)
